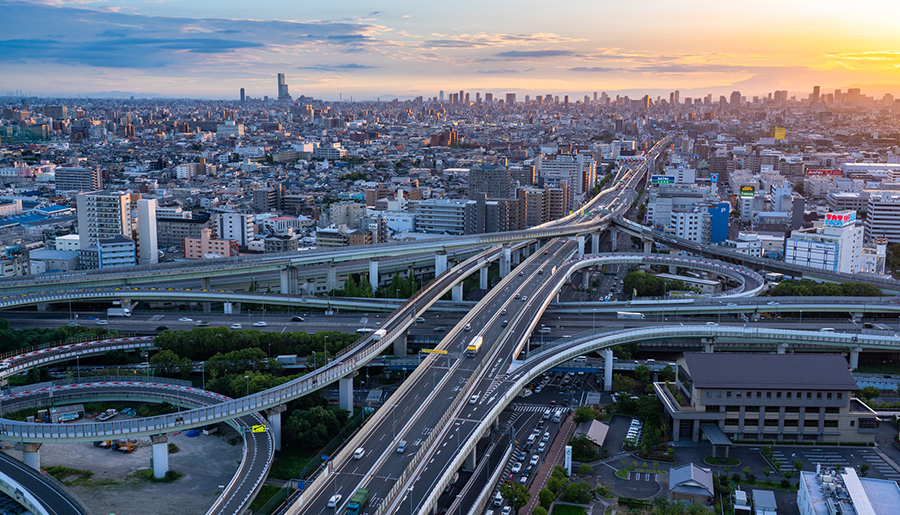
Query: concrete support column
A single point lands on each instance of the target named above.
(331, 278)
(469, 464)
(607, 369)
(232, 308)
(373, 273)
(289, 280)
(457, 292)
(648, 246)
(41, 308)
(273, 415)
(207, 307)
(204, 283)
(673, 269)
(483, 277)
(516, 257)
(585, 279)
(614, 240)
(782, 347)
(160, 445)
(505, 263)
(709, 346)
(400, 344)
(580, 240)
(854, 358)
(345, 397)
(32, 456)
(440, 262)
(595, 243)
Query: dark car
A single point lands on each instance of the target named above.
(297, 319)
(162, 328)
(504, 323)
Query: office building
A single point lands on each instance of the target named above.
(171, 232)
(148, 250)
(56, 112)
(579, 170)
(103, 215)
(243, 98)
(282, 88)
(77, 179)
(235, 226)
(829, 492)
(777, 397)
(445, 216)
(510, 99)
(836, 245)
(494, 181)
(883, 216)
(342, 236)
(346, 213)
(116, 251)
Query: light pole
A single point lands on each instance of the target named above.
(326, 350)
(248, 384)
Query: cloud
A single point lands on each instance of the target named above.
(598, 69)
(483, 40)
(374, 13)
(338, 67)
(491, 72)
(534, 54)
(866, 56)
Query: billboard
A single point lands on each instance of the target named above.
(662, 179)
(713, 177)
(779, 133)
(748, 191)
(819, 172)
(841, 218)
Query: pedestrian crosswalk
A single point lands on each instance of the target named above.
(831, 458)
(879, 464)
(640, 476)
(533, 408)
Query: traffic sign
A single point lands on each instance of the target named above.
(434, 351)
(259, 428)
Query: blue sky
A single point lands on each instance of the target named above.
(205, 48)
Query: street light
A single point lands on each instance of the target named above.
(326, 350)
(248, 384)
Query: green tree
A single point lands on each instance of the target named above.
(622, 384)
(584, 469)
(585, 414)
(168, 364)
(515, 494)
(577, 492)
(868, 393)
(667, 373)
(583, 449)
(539, 510)
(864, 470)
(312, 428)
(643, 373)
(546, 497)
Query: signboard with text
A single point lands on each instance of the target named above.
(748, 191)
(713, 177)
(820, 172)
(568, 460)
(779, 133)
(662, 179)
(840, 219)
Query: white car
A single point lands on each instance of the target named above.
(235, 326)
(102, 322)
(473, 399)
(516, 468)
(259, 324)
(334, 500)
(534, 459)
(185, 319)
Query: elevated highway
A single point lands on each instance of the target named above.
(258, 450)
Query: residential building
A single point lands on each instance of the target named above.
(171, 232)
(444, 216)
(148, 247)
(103, 215)
(883, 216)
(836, 245)
(77, 179)
(779, 397)
(494, 181)
(579, 170)
(692, 484)
(342, 236)
(116, 251)
(235, 226)
(207, 246)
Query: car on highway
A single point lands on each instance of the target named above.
(517, 296)
(359, 453)
(504, 323)
(185, 319)
(503, 312)
(297, 319)
(102, 322)
(542, 446)
(524, 298)
(201, 323)
(468, 327)
(546, 437)
(73, 324)
(259, 324)
(420, 320)
(334, 500)
(439, 329)
(235, 326)
(521, 273)
(534, 459)
(473, 399)
(517, 467)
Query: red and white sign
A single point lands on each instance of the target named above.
(840, 219)
(823, 172)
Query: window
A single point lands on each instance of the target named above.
(832, 410)
(828, 395)
(840, 395)
(708, 394)
(777, 395)
(790, 423)
(792, 409)
(732, 408)
(818, 395)
(772, 409)
(867, 423)
(852, 423)
(758, 395)
(768, 395)
(772, 422)
(738, 395)
(809, 395)
(731, 421)
(834, 423)
(728, 394)
(749, 394)
(811, 423)
(789, 395)
(718, 395)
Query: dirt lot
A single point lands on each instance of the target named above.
(207, 463)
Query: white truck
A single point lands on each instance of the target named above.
(379, 334)
(118, 312)
(474, 346)
(629, 315)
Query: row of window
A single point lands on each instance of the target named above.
(777, 395)
(774, 423)
(810, 410)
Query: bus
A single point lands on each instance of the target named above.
(629, 315)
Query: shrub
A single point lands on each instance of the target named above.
(786, 483)
(540, 510)
(584, 469)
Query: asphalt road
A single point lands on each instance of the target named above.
(51, 499)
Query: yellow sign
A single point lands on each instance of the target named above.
(434, 351)
(259, 428)
(779, 133)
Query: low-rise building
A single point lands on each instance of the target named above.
(206, 245)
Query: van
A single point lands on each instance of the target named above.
(580, 359)
(827, 329)
(359, 453)
(401, 447)
(498, 499)
(556, 417)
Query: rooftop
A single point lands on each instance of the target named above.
(770, 371)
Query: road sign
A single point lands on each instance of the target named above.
(259, 428)
(434, 351)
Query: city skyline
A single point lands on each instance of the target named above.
(345, 50)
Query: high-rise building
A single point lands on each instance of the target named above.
(235, 226)
(735, 99)
(148, 250)
(835, 246)
(56, 112)
(510, 99)
(78, 179)
(815, 94)
(282, 88)
(488, 97)
(492, 180)
(242, 95)
(441, 96)
(103, 215)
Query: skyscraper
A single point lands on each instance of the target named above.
(735, 99)
(147, 237)
(242, 94)
(815, 94)
(103, 215)
(282, 88)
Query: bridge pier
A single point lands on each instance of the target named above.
(160, 444)
(273, 415)
(204, 283)
(580, 240)
(613, 239)
(782, 348)
(41, 308)
(469, 464)
(708, 345)
(373, 273)
(457, 292)
(483, 277)
(505, 264)
(607, 369)
(32, 456)
(857, 316)
(207, 307)
(648, 246)
(331, 278)
(585, 278)
(595, 243)
(345, 397)
(440, 262)
(516, 257)
(400, 344)
(289, 280)
(232, 308)
(854, 357)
